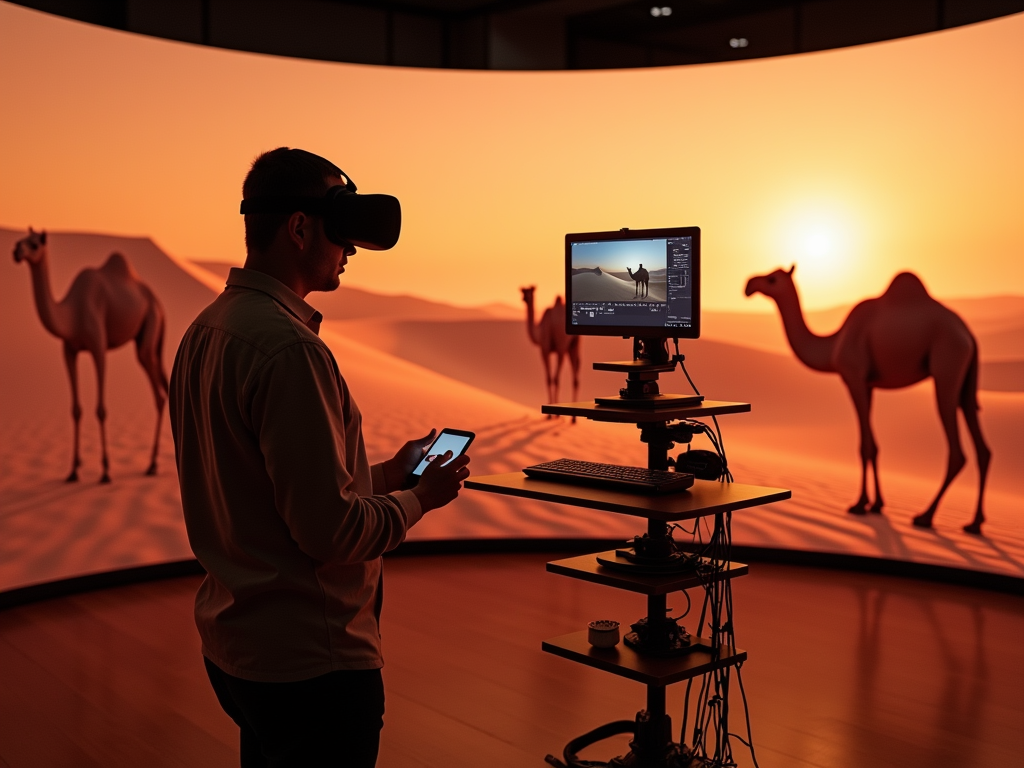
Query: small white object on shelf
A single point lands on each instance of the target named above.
(603, 633)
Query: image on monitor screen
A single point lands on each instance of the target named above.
(642, 283)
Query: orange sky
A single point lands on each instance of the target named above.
(854, 163)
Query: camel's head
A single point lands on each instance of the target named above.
(771, 284)
(30, 248)
(528, 294)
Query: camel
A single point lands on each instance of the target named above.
(898, 339)
(549, 334)
(104, 308)
(639, 277)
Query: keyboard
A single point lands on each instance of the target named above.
(611, 476)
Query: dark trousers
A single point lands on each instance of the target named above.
(332, 720)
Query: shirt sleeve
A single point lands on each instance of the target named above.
(380, 484)
(299, 417)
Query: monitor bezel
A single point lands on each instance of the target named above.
(642, 331)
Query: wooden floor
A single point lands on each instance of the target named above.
(844, 670)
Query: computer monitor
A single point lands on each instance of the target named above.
(634, 282)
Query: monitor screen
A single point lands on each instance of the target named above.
(643, 282)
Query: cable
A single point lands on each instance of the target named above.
(711, 708)
(746, 711)
(688, 605)
(720, 444)
(681, 528)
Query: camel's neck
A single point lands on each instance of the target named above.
(812, 350)
(531, 328)
(50, 312)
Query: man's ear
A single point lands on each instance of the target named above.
(298, 229)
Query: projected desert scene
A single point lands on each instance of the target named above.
(616, 272)
(434, 334)
(404, 358)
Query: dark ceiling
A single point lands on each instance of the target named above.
(530, 34)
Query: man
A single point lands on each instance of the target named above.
(281, 505)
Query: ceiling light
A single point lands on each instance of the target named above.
(661, 10)
(738, 42)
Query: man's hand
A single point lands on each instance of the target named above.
(439, 484)
(397, 468)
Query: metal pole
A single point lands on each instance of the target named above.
(658, 444)
(656, 702)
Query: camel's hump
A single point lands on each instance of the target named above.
(117, 264)
(906, 286)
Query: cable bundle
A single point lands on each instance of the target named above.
(711, 713)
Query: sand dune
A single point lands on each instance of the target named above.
(997, 322)
(353, 303)
(481, 374)
(804, 413)
(653, 273)
(606, 287)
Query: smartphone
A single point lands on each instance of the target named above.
(454, 440)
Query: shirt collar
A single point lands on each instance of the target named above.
(279, 292)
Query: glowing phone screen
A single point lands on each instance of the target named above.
(445, 442)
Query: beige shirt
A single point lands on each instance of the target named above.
(278, 495)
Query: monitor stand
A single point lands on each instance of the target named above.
(650, 358)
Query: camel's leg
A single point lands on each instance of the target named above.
(148, 348)
(984, 458)
(99, 357)
(71, 361)
(557, 380)
(876, 507)
(574, 362)
(861, 394)
(947, 393)
(547, 378)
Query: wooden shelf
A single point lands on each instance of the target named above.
(651, 670)
(705, 497)
(587, 568)
(588, 409)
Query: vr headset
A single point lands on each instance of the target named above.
(372, 222)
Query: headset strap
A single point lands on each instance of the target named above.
(284, 204)
(292, 203)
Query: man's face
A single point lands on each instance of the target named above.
(327, 260)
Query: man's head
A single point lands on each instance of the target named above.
(281, 172)
(293, 246)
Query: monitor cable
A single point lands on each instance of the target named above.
(719, 445)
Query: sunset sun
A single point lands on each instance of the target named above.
(822, 239)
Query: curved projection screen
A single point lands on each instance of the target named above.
(854, 164)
